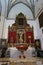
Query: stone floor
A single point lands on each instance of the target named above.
(18, 61)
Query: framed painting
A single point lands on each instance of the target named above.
(37, 44)
(3, 42)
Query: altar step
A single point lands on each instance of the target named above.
(18, 61)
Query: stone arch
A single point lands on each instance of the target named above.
(18, 3)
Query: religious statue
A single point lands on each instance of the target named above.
(21, 39)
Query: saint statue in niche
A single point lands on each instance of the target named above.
(21, 37)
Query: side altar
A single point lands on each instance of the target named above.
(20, 34)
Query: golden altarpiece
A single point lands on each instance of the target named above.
(20, 34)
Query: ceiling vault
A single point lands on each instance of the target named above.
(25, 2)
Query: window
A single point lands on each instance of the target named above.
(20, 21)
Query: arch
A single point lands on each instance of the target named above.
(20, 8)
(18, 3)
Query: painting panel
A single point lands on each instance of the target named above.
(37, 44)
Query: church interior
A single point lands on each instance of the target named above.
(21, 32)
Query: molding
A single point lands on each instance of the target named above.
(14, 18)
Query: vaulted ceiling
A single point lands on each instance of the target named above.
(32, 7)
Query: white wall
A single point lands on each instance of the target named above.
(2, 18)
(1, 26)
(41, 37)
(7, 23)
(0, 29)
